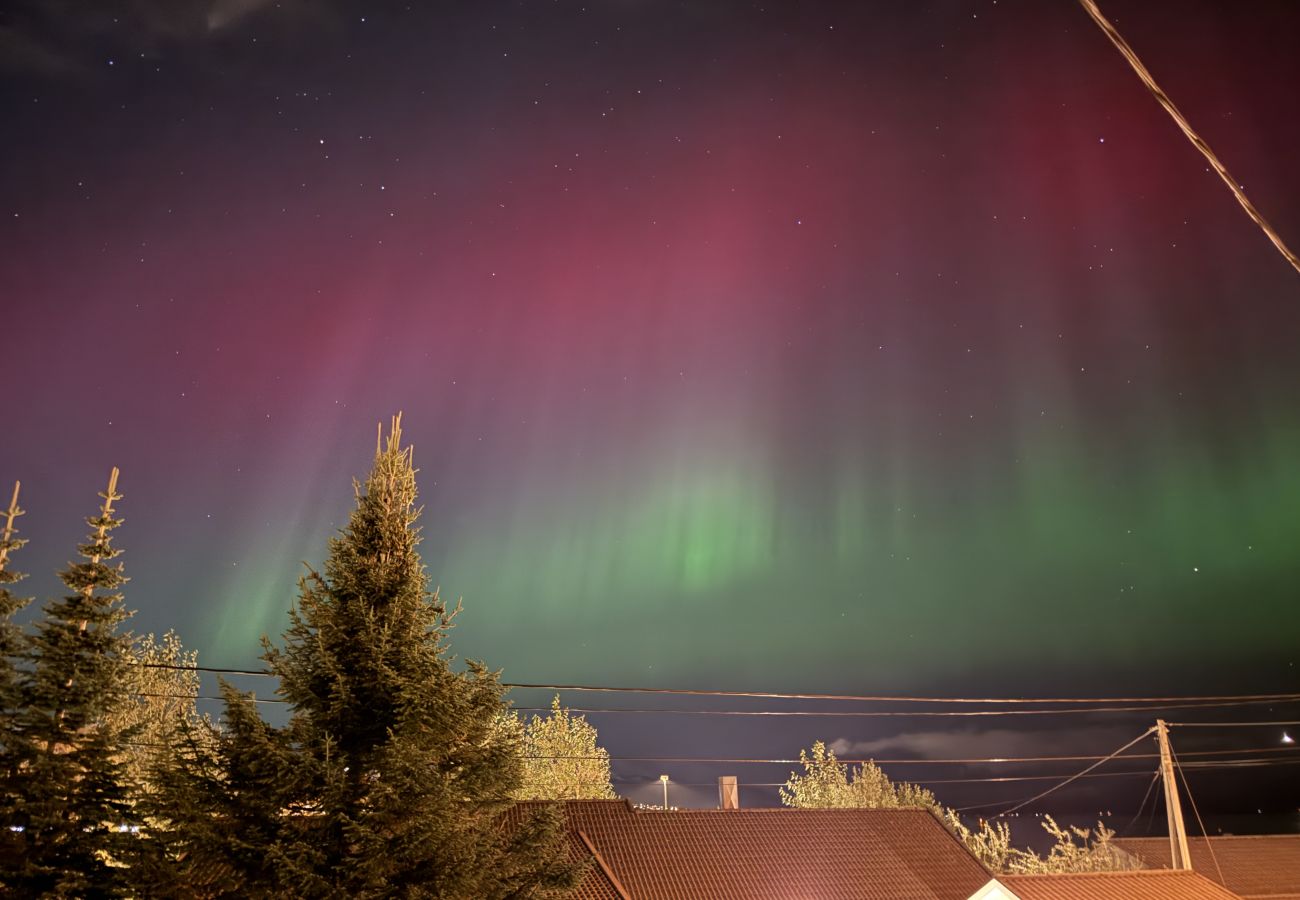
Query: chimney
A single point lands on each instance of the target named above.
(728, 792)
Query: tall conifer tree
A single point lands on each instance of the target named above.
(72, 802)
(392, 775)
(12, 645)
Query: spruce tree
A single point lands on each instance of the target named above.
(12, 645)
(72, 805)
(392, 777)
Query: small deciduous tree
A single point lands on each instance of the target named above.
(562, 759)
(826, 783)
(1084, 850)
(1075, 849)
(989, 842)
(161, 709)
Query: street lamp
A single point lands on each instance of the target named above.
(664, 780)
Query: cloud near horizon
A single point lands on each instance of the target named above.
(993, 743)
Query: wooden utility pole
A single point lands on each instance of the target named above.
(1180, 857)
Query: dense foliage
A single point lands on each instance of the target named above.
(561, 759)
(161, 707)
(826, 783)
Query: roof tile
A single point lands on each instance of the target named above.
(1148, 885)
(1252, 865)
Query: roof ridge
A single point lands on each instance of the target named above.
(707, 810)
(1216, 837)
(1154, 873)
(1243, 837)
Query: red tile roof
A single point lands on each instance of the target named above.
(846, 854)
(1253, 866)
(1148, 885)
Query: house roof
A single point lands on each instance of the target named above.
(1142, 885)
(1254, 866)
(847, 854)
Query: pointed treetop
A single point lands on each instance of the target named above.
(111, 494)
(100, 546)
(8, 541)
(394, 436)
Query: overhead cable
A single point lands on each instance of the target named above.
(864, 698)
(1232, 724)
(1057, 787)
(1181, 121)
(1197, 812)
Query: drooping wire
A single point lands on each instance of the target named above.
(1231, 724)
(752, 784)
(864, 698)
(1141, 806)
(1208, 843)
(1062, 784)
(1181, 121)
(851, 714)
(868, 714)
(925, 713)
(1151, 816)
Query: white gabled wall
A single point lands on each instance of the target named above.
(994, 890)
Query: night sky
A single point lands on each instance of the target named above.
(875, 347)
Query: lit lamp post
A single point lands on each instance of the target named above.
(664, 780)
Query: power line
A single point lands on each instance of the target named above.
(696, 760)
(864, 698)
(1197, 812)
(214, 669)
(923, 713)
(962, 761)
(1230, 724)
(916, 761)
(1240, 763)
(1141, 806)
(923, 781)
(1025, 778)
(840, 714)
(987, 760)
(1057, 787)
(867, 698)
(863, 714)
(731, 760)
(1197, 141)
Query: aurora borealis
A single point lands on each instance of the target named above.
(817, 346)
